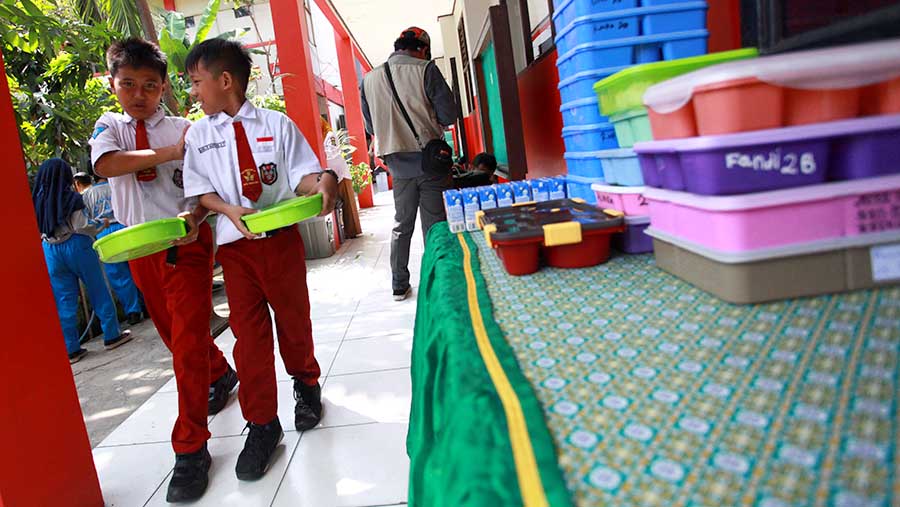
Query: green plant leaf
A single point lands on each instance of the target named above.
(175, 25)
(207, 21)
(32, 9)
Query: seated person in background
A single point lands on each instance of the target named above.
(83, 181)
(484, 165)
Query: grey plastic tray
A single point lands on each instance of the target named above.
(768, 275)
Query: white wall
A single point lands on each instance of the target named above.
(324, 52)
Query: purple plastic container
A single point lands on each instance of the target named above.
(633, 240)
(773, 159)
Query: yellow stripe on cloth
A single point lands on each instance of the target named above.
(530, 486)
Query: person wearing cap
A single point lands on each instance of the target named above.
(430, 105)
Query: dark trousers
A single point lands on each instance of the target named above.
(424, 195)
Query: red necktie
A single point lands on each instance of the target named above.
(251, 186)
(142, 143)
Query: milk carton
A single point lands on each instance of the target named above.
(453, 204)
(471, 207)
(540, 189)
(504, 193)
(557, 187)
(521, 191)
(488, 197)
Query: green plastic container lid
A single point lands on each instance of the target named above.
(140, 240)
(624, 90)
(284, 213)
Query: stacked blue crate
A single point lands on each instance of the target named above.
(597, 38)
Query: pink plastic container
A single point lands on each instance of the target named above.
(628, 200)
(783, 217)
(799, 88)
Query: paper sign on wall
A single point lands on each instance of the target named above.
(885, 262)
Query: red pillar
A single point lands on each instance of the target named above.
(169, 5)
(46, 455)
(353, 107)
(292, 40)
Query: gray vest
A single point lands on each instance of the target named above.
(392, 134)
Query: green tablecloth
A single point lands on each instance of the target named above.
(654, 392)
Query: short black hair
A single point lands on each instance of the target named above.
(221, 55)
(485, 159)
(409, 42)
(136, 53)
(83, 179)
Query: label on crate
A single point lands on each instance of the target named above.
(885, 262)
(612, 25)
(608, 201)
(788, 164)
(876, 212)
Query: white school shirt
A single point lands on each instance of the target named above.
(135, 202)
(282, 155)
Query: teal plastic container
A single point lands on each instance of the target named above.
(632, 127)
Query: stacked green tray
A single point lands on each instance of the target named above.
(140, 240)
(621, 95)
(284, 214)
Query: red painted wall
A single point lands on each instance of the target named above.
(46, 456)
(541, 120)
(724, 22)
(474, 140)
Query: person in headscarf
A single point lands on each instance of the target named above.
(67, 236)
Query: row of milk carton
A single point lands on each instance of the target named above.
(463, 205)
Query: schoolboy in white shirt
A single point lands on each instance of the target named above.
(240, 159)
(141, 151)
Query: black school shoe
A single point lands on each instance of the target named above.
(308, 410)
(220, 390)
(78, 355)
(253, 462)
(118, 341)
(190, 477)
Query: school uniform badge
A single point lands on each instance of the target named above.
(268, 173)
(178, 178)
(98, 130)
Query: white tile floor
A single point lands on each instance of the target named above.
(357, 455)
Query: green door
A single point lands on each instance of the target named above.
(495, 110)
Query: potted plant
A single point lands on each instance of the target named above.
(359, 175)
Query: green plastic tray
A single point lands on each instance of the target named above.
(624, 91)
(140, 240)
(284, 214)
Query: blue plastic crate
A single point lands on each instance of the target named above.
(581, 85)
(582, 112)
(601, 136)
(585, 164)
(631, 50)
(621, 167)
(564, 12)
(677, 18)
(579, 187)
(652, 20)
(599, 27)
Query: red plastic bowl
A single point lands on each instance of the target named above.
(520, 257)
(593, 250)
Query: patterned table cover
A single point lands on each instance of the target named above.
(659, 394)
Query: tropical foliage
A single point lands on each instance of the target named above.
(51, 58)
